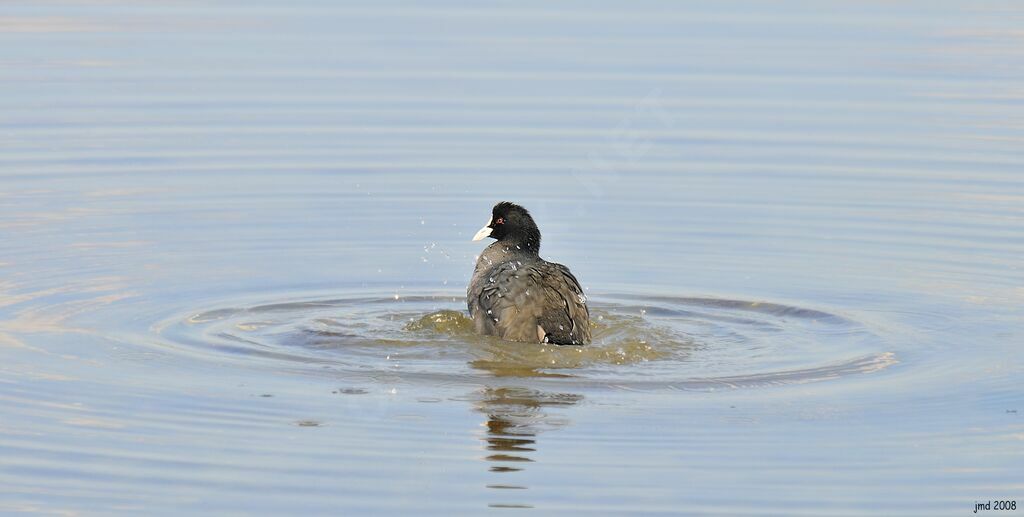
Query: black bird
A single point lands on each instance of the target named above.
(518, 296)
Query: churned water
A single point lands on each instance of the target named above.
(236, 244)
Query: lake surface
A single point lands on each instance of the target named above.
(236, 239)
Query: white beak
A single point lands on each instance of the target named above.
(484, 232)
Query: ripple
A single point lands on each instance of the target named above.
(640, 342)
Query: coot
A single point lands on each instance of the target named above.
(518, 296)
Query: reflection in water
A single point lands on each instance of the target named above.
(515, 416)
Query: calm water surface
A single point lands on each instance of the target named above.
(236, 241)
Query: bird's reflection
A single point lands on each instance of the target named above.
(515, 417)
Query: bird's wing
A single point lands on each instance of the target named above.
(566, 319)
(509, 300)
(533, 303)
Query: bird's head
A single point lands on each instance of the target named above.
(513, 224)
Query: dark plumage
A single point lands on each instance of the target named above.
(518, 296)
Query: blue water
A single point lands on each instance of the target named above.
(231, 230)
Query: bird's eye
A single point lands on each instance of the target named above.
(500, 220)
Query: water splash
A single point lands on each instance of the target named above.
(638, 342)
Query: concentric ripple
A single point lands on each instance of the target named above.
(639, 342)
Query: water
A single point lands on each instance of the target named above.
(236, 242)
